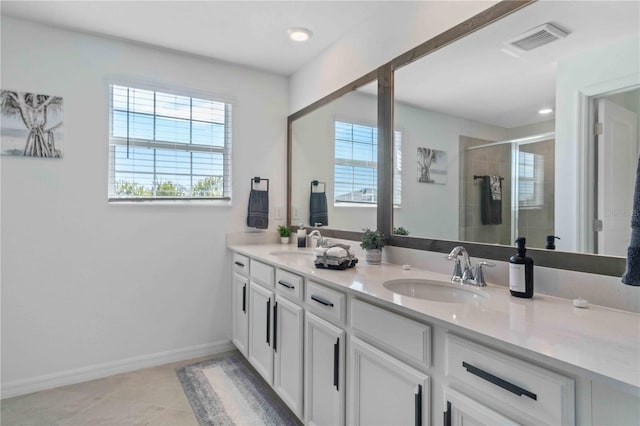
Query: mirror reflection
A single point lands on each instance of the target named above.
(334, 163)
(526, 128)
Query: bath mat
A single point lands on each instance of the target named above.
(227, 391)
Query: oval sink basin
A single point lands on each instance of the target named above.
(436, 291)
(290, 253)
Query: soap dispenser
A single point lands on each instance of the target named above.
(302, 236)
(521, 272)
(551, 242)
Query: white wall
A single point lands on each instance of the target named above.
(594, 72)
(89, 286)
(373, 43)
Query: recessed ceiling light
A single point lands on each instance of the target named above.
(299, 34)
(545, 111)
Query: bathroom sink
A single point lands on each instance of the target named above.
(290, 253)
(436, 291)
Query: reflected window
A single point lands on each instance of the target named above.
(356, 165)
(166, 146)
(530, 180)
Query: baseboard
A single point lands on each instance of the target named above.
(50, 381)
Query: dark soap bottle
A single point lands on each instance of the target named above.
(521, 272)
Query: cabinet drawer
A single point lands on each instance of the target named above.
(289, 285)
(241, 264)
(382, 328)
(327, 303)
(531, 392)
(262, 273)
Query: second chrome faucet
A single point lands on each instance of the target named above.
(464, 272)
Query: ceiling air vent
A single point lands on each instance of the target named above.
(536, 37)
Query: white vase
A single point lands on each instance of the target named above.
(373, 256)
(284, 240)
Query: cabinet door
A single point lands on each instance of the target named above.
(384, 390)
(240, 312)
(260, 341)
(464, 411)
(288, 327)
(324, 372)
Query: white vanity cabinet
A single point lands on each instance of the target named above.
(240, 303)
(288, 329)
(276, 326)
(384, 390)
(324, 372)
(518, 389)
(261, 302)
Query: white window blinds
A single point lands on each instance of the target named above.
(356, 164)
(168, 146)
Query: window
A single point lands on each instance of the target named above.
(356, 164)
(168, 146)
(530, 180)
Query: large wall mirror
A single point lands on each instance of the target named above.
(499, 130)
(494, 136)
(334, 167)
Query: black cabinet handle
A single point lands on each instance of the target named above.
(418, 406)
(268, 320)
(321, 300)
(244, 298)
(336, 364)
(240, 264)
(286, 284)
(498, 381)
(447, 415)
(275, 327)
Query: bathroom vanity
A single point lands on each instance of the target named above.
(341, 347)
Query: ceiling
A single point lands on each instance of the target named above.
(251, 33)
(475, 79)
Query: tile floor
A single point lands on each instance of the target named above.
(152, 396)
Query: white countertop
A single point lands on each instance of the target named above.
(601, 340)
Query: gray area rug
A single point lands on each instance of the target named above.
(227, 391)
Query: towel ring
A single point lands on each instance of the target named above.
(315, 183)
(480, 177)
(257, 180)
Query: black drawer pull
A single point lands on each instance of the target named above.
(286, 284)
(498, 381)
(447, 415)
(240, 264)
(321, 300)
(268, 320)
(418, 406)
(336, 364)
(275, 327)
(244, 298)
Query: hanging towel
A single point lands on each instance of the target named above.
(496, 187)
(632, 273)
(490, 209)
(258, 212)
(318, 213)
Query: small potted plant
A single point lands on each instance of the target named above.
(285, 233)
(400, 230)
(372, 243)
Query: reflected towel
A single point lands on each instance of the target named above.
(632, 273)
(318, 213)
(258, 211)
(496, 188)
(490, 209)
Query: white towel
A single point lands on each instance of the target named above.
(496, 188)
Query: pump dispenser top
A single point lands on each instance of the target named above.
(521, 271)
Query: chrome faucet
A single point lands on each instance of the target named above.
(465, 273)
(460, 273)
(315, 239)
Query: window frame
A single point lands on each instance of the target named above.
(397, 168)
(225, 150)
